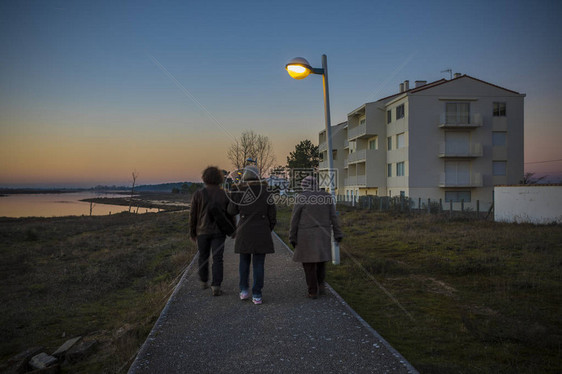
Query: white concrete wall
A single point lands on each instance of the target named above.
(535, 204)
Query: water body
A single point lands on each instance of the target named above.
(59, 204)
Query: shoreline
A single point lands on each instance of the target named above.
(167, 202)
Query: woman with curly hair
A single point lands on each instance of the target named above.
(204, 231)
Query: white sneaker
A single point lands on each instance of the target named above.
(244, 295)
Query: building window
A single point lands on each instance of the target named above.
(400, 111)
(457, 173)
(499, 168)
(334, 154)
(457, 143)
(499, 138)
(389, 143)
(400, 169)
(389, 170)
(374, 143)
(388, 116)
(400, 140)
(458, 113)
(499, 109)
(457, 196)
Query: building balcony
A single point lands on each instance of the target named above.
(323, 164)
(357, 156)
(345, 163)
(345, 143)
(455, 121)
(460, 180)
(359, 180)
(322, 147)
(467, 151)
(356, 132)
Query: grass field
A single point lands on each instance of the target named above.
(454, 296)
(451, 295)
(103, 277)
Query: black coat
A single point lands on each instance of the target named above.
(200, 222)
(258, 217)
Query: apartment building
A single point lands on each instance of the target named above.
(339, 155)
(450, 139)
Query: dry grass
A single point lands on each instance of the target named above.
(468, 296)
(103, 277)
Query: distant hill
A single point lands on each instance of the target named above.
(163, 187)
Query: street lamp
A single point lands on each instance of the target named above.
(299, 68)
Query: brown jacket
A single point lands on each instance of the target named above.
(258, 217)
(312, 222)
(200, 223)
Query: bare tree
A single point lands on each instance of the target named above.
(254, 146)
(242, 149)
(264, 156)
(529, 178)
(135, 176)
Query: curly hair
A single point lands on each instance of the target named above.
(212, 175)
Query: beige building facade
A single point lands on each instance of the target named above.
(449, 140)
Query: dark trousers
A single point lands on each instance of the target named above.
(315, 273)
(257, 261)
(211, 245)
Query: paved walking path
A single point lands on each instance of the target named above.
(288, 333)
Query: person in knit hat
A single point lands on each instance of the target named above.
(312, 222)
(253, 233)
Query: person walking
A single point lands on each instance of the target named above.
(312, 222)
(204, 231)
(253, 233)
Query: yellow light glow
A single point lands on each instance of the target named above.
(297, 71)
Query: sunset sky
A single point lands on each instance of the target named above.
(90, 91)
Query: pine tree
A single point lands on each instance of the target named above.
(305, 156)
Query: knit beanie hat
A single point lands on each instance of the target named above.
(251, 173)
(308, 183)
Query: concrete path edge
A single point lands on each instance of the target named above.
(397, 354)
(162, 316)
(151, 336)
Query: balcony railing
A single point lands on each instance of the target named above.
(455, 120)
(357, 156)
(460, 180)
(346, 143)
(449, 150)
(322, 147)
(323, 165)
(356, 132)
(360, 180)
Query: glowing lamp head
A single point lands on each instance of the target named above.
(298, 68)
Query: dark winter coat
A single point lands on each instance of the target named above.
(200, 222)
(312, 223)
(258, 217)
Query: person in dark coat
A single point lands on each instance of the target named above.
(253, 233)
(312, 222)
(204, 231)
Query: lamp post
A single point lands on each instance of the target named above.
(299, 68)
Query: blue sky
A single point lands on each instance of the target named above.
(90, 91)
